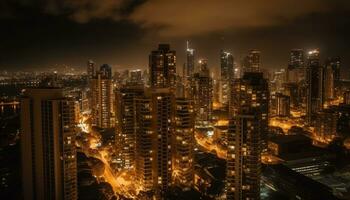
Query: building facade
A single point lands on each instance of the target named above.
(184, 142)
(125, 123)
(49, 168)
(251, 62)
(227, 74)
(102, 98)
(202, 94)
(162, 64)
(295, 69)
(314, 81)
(243, 157)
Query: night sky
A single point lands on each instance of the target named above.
(44, 33)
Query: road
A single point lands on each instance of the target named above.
(122, 182)
(209, 145)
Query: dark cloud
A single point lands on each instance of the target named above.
(81, 11)
(122, 32)
(184, 17)
(85, 10)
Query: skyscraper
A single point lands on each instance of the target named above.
(91, 71)
(125, 123)
(251, 62)
(183, 149)
(106, 71)
(314, 81)
(283, 105)
(296, 59)
(154, 133)
(135, 77)
(49, 168)
(331, 77)
(251, 92)
(244, 157)
(336, 64)
(101, 90)
(247, 136)
(279, 77)
(163, 127)
(227, 74)
(144, 133)
(292, 90)
(328, 82)
(326, 125)
(189, 61)
(295, 69)
(155, 124)
(203, 67)
(202, 88)
(162, 64)
(163, 119)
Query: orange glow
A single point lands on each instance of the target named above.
(347, 143)
(123, 182)
(217, 105)
(208, 144)
(222, 123)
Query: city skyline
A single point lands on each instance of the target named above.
(143, 131)
(174, 100)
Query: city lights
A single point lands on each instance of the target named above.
(232, 104)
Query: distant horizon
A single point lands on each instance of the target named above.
(179, 64)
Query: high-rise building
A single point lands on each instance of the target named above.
(247, 135)
(188, 71)
(154, 137)
(183, 149)
(244, 157)
(296, 59)
(326, 125)
(101, 90)
(314, 81)
(154, 125)
(292, 90)
(331, 77)
(163, 127)
(336, 64)
(203, 67)
(162, 63)
(144, 133)
(329, 82)
(227, 74)
(189, 61)
(163, 119)
(49, 168)
(283, 105)
(295, 69)
(251, 63)
(248, 93)
(106, 71)
(217, 91)
(202, 88)
(135, 77)
(279, 78)
(145, 77)
(125, 123)
(91, 71)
